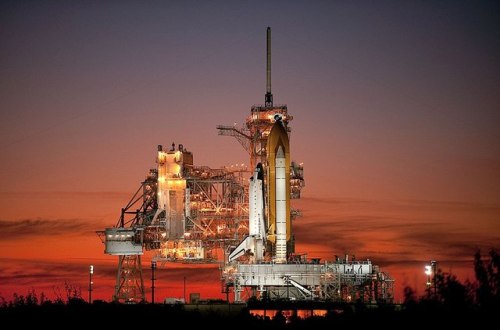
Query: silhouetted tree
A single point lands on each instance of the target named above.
(488, 278)
(451, 292)
(18, 300)
(410, 297)
(279, 319)
(44, 300)
(31, 298)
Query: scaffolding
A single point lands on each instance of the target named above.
(207, 211)
(216, 215)
(129, 282)
(342, 281)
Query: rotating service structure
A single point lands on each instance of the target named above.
(181, 213)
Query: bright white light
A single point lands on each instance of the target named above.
(91, 269)
(428, 270)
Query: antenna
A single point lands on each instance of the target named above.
(269, 95)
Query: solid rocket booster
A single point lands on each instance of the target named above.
(279, 234)
(254, 243)
(281, 223)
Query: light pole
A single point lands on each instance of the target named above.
(184, 289)
(91, 272)
(153, 268)
(434, 272)
(428, 272)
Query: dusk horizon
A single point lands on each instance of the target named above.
(396, 110)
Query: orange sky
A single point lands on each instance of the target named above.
(401, 236)
(396, 117)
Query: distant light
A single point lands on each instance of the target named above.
(428, 270)
(91, 269)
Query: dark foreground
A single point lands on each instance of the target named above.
(286, 315)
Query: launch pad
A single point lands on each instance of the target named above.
(187, 213)
(342, 280)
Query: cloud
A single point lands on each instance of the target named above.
(397, 232)
(66, 194)
(16, 229)
(22, 272)
(197, 275)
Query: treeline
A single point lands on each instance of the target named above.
(71, 294)
(446, 302)
(446, 291)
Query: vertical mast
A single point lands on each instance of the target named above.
(269, 95)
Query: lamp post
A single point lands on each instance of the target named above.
(434, 271)
(184, 289)
(431, 284)
(428, 272)
(153, 268)
(91, 272)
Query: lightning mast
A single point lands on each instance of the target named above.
(269, 95)
(253, 135)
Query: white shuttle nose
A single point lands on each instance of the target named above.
(280, 153)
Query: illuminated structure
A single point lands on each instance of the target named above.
(278, 273)
(428, 272)
(182, 213)
(185, 213)
(431, 271)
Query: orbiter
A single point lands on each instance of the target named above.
(269, 231)
(254, 243)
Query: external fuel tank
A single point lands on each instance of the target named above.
(278, 190)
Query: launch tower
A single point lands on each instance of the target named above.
(263, 265)
(187, 213)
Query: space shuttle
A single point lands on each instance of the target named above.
(269, 209)
(272, 230)
(254, 243)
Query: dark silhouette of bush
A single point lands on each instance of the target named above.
(488, 280)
